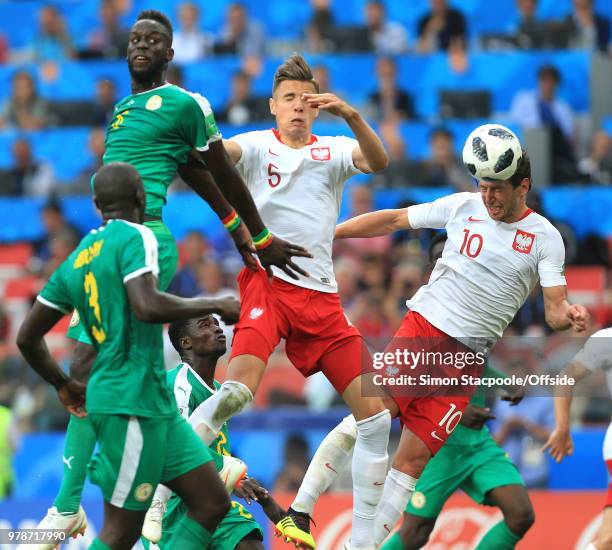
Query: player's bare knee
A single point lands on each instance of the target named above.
(520, 518)
(209, 513)
(412, 465)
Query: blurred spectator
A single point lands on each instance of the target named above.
(296, 459)
(458, 60)
(444, 168)
(321, 26)
(60, 247)
(211, 280)
(24, 109)
(398, 172)
(110, 40)
(370, 317)
(530, 319)
(345, 271)
(440, 27)
(194, 250)
(57, 228)
(596, 167)
(373, 274)
(104, 105)
(591, 31)
(387, 37)
(542, 108)
(190, 43)
(174, 75)
(521, 430)
(321, 74)
(240, 35)
(26, 177)
(52, 42)
(241, 107)
(4, 51)
(389, 101)
(527, 15)
(82, 185)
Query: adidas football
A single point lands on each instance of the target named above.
(492, 152)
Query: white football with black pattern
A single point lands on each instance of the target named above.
(492, 152)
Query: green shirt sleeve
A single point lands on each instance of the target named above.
(198, 125)
(139, 254)
(55, 293)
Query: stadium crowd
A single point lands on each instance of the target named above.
(375, 276)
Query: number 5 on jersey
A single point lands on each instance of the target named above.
(472, 244)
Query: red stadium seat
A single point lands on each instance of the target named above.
(17, 254)
(23, 287)
(586, 285)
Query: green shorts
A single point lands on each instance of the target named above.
(235, 526)
(476, 469)
(168, 260)
(136, 453)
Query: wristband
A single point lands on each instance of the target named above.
(263, 239)
(231, 222)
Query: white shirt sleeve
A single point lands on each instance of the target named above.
(248, 159)
(347, 146)
(433, 215)
(596, 353)
(552, 260)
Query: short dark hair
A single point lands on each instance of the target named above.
(551, 71)
(523, 170)
(158, 16)
(438, 238)
(440, 131)
(294, 68)
(176, 331)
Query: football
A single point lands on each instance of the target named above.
(492, 152)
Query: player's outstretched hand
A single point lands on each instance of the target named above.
(330, 103)
(228, 309)
(559, 444)
(279, 253)
(72, 396)
(250, 489)
(474, 417)
(244, 244)
(579, 317)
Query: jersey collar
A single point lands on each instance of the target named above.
(313, 138)
(198, 377)
(153, 89)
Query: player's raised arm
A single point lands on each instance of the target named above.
(370, 155)
(195, 174)
(374, 224)
(152, 306)
(560, 314)
(30, 341)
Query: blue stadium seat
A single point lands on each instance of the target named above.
(19, 22)
(211, 78)
(117, 71)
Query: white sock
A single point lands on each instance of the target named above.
(369, 469)
(208, 418)
(398, 490)
(162, 493)
(591, 547)
(327, 463)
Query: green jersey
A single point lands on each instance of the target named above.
(154, 131)
(190, 391)
(128, 375)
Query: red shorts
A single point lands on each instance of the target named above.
(609, 496)
(431, 417)
(318, 335)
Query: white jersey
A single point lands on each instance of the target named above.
(298, 194)
(487, 269)
(597, 354)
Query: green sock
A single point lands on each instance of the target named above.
(190, 535)
(393, 543)
(97, 544)
(499, 537)
(78, 448)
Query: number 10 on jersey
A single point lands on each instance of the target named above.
(472, 244)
